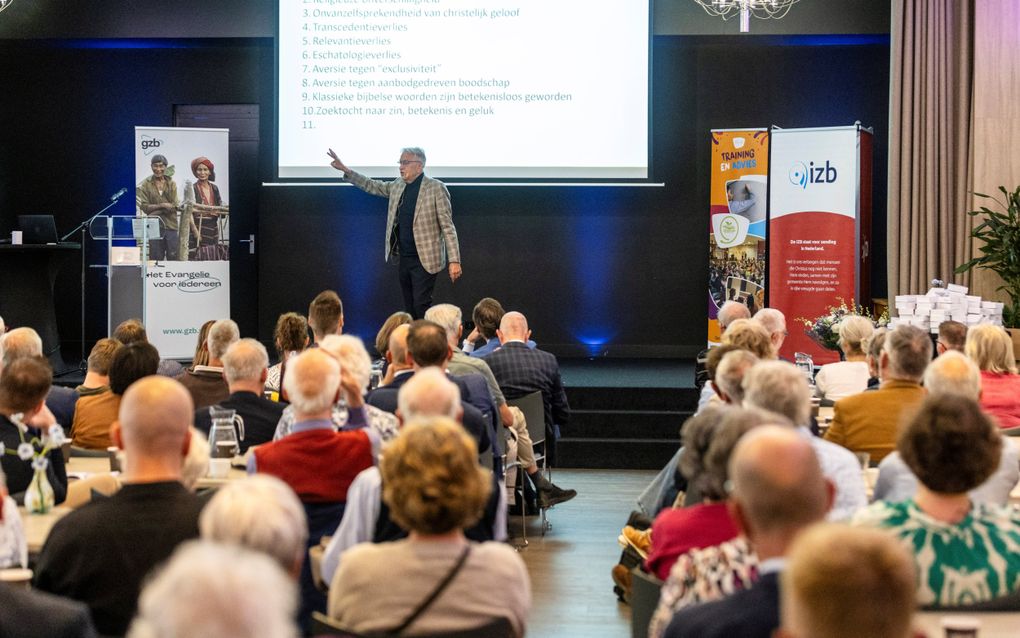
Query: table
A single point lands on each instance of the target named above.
(993, 624)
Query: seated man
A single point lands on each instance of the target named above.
(94, 414)
(132, 331)
(245, 368)
(487, 314)
(366, 518)
(868, 422)
(97, 374)
(100, 553)
(24, 385)
(205, 383)
(26, 342)
(326, 315)
(842, 582)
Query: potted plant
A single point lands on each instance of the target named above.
(999, 233)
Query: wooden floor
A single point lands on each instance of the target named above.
(572, 589)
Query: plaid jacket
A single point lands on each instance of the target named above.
(519, 370)
(435, 237)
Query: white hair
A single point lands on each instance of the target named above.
(312, 381)
(196, 463)
(221, 335)
(245, 360)
(778, 386)
(771, 319)
(350, 352)
(953, 373)
(209, 590)
(416, 151)
(448, 316)
(730, 312)
(19, 344)
(261, 513)
(428, 393)
(731, 371)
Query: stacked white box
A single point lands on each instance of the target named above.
(943, 304)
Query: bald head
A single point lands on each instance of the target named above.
(312, 382)
(777, 481)
(513, 326)
(730, 312)
(398, 344)
(429, 393)
(953, 373)
(155, 414)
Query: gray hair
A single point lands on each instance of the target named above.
(19, 344)
(416, 151)
(771, 319)
(731, 371)
(312, 381)
(909, 351)
(221, 334)
(261, 513)
(245, 360)
(730, 312)
(448, 316)
(210, 590)
(778, 386)
(350, 352)
(196, 463)
(428, 393)
(953, 373)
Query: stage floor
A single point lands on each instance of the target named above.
(627, 373)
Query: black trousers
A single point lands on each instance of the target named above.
(416, 284)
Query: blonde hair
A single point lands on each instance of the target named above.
(836, 572)
(991, 348)
(750, 335)
(431, 478)
(854, 330)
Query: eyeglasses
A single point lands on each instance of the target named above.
(406, 162)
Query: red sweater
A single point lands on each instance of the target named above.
(319, 465)
(1000, 397)
(678, 531)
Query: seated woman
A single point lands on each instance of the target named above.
(965, 553)
(843, 378)
(991, 348)
(291, 338)
(435, 488)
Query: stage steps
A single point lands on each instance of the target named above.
(623, 428)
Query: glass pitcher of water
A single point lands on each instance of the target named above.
(223, 438)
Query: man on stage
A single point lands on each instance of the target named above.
(420, 234)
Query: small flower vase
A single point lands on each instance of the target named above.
(39, 497)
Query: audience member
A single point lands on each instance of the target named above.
(94, 414)
(13, 546)
(729, 375)
(850, 376)
(951, 373)
(382, 338)
(291, 338)
(728, 313)
(97, 374)
(952, 336)
(100, 553)
(262, 514)
(778, 386)
(326, 315)
(965, 552)
(842, 582)
(201, 357)
(778, 490)
(26, 342)
(486, 314)
(366, 518)
(750, 335)
(434, 487)
(991, 348)
(245, 369)
(23, 388)
(208, 590)
(774, 322)
(712, 570)
(868, 422)
(205, 382)
(873, 348)
(132, 331)
(351, 413)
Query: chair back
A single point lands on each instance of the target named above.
(533, 407)
(644, 598)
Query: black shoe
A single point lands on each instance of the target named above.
(552, 495)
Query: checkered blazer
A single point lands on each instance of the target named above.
(520, 370)
(435, 236)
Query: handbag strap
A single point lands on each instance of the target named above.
(435, 592)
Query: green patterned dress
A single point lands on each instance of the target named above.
(974, 560)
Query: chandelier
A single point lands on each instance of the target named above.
(761, 9)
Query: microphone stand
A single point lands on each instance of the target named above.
(82, 227)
